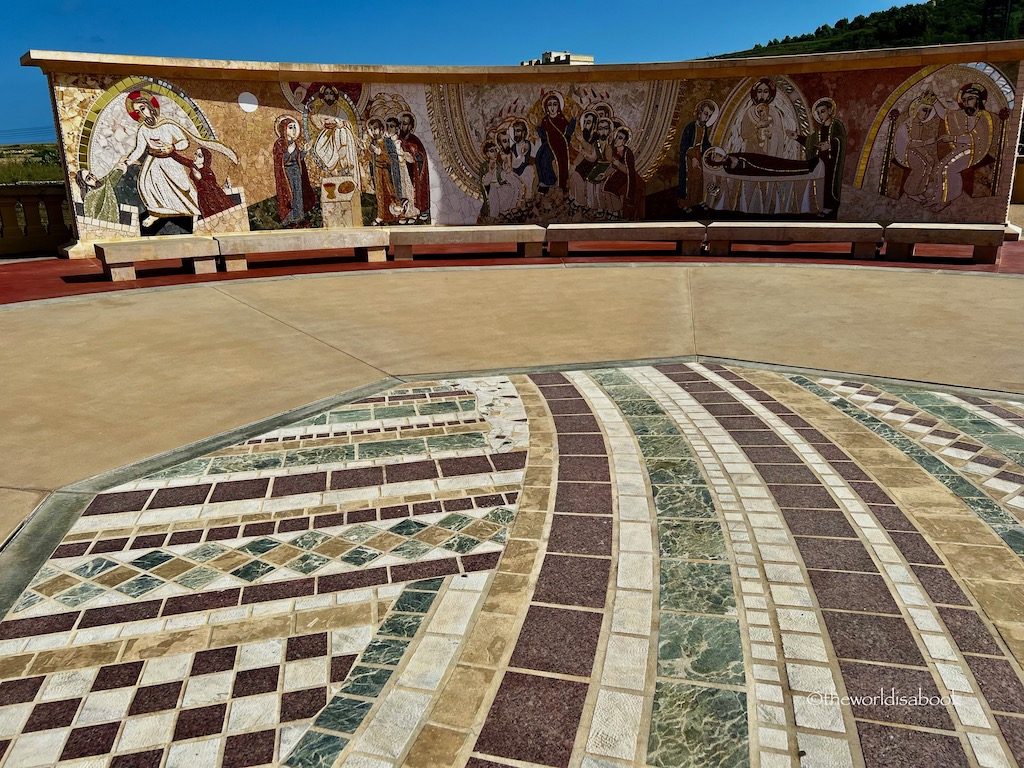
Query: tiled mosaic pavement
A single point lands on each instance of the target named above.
(678, 565)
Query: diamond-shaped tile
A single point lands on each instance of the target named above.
(309, 539)
(259, 546)
(308, 562)
(197, 578)
(434, 536)
(384, 541)
(140, 585)
(27, 600)
(500, 515)
(481, 529)
(461, 544)
(253, 570)
(360, 533)
(80, 594)
(117, 576)
(360, 556)
(94, 567)
(229, 561)
(455, 522)
(58, 584)
(411, 550)
(334, 547)
(281, 554)
(408, 527)
(205, 552)
(151, 559)
(172, 568)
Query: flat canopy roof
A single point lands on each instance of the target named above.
(222, 69)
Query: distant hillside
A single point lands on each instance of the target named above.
(929, 23)
(29, 162)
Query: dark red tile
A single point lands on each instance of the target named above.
(204, 601)
(533, 719)
(202, 721)
(852, 592)
(250, 682)
(574, 407)
(871, 493)
(558, 392)
(568, 580)
(872, 638)
(237, 490)
(849, 471)
(483, 562)
(298, 705)
(71, 550)
(393, 513)
(998, 682)
(222, 532)
(504, 462)
(113, 503)
(357, 478)
(887, 747)
(915, 548)
(457, 505)
(426, 507)
(738, 423)
(150, 541)
(581, 535)
(787, 474)
(584, 468)
(835, 555)
(4, 744)
(341, 666)
(108, 545)
(52, 714)
(581, 445)
(818, 523)
(359, 516)
(794, 421)
(558, 640)
(832, 453)
(728, 409)
(151, 759)
(155, 698)
(93, 740)
(1011, 727)
(969, 631)
(415, 470)
(773, 455)
(180, 496)
(813, 436)
(468, 465)
(19, 691)
(335, 518)
(249, 749)
(940, 586)
(584, 498)
(575, 424)
(548, 379)
(891, 518)
(117, 676)
(338, 582)
(803, 497)
(866, 680)
(293, 524)
(749, 438)
(425, 570)
(280, 590)
(120, 614)
(258, 529)
(292, 485)
(215, 660)
(306, 647)
(488, 500)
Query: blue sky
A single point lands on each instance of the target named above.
(397, 32)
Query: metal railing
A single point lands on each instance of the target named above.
(34, 218)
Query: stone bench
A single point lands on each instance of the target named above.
(900, 239)
(119, 257)
(528, 237)
(687, 235)
(369, 243)
(866, 238)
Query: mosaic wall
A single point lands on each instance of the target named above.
(151, 157)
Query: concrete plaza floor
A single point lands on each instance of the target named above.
(458, 556)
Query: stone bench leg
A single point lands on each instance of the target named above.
(899, 251)
(718, 247)
(986, 254)
(205, 266)
(688, 247)
(864, 250)
(121, 272)
(376, 253)
(235, 263)
(558, 249)
(402, 252)
(530, 250)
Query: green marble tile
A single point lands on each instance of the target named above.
(408, 527)
(700, 648)
(259, 546)
(140, 585)
(642, 407)
(197, 578)
(432, 409)
(365, 681)
(697, 587)
(674, 472)
(393, 411)
(94, 567)
(343, 417)
(192, 468)
(414, 602)
(359, 533)
(360, 556)
(316, 750)
(311, 539)
(664, 446)
(386, 448)
(467, 405)
(691, 540)
(384, 652)
(80, 594)
(693, 727)
(250, 462)
(308, 562)
(343, 714)
(611, 377)
(652, 425)
(411, 550)
(151, 560)
(253, 570)
(45, 573)
(205, 552)
(454, 522)
(430, 585)
(27, 600)
(400, 625)
(461, 442)
(501, 537)
(501, 515)
(461, 544)
(332, 455)
(683, 501)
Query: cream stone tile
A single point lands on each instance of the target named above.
(615, 727)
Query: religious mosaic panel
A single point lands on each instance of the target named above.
(150, 157)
